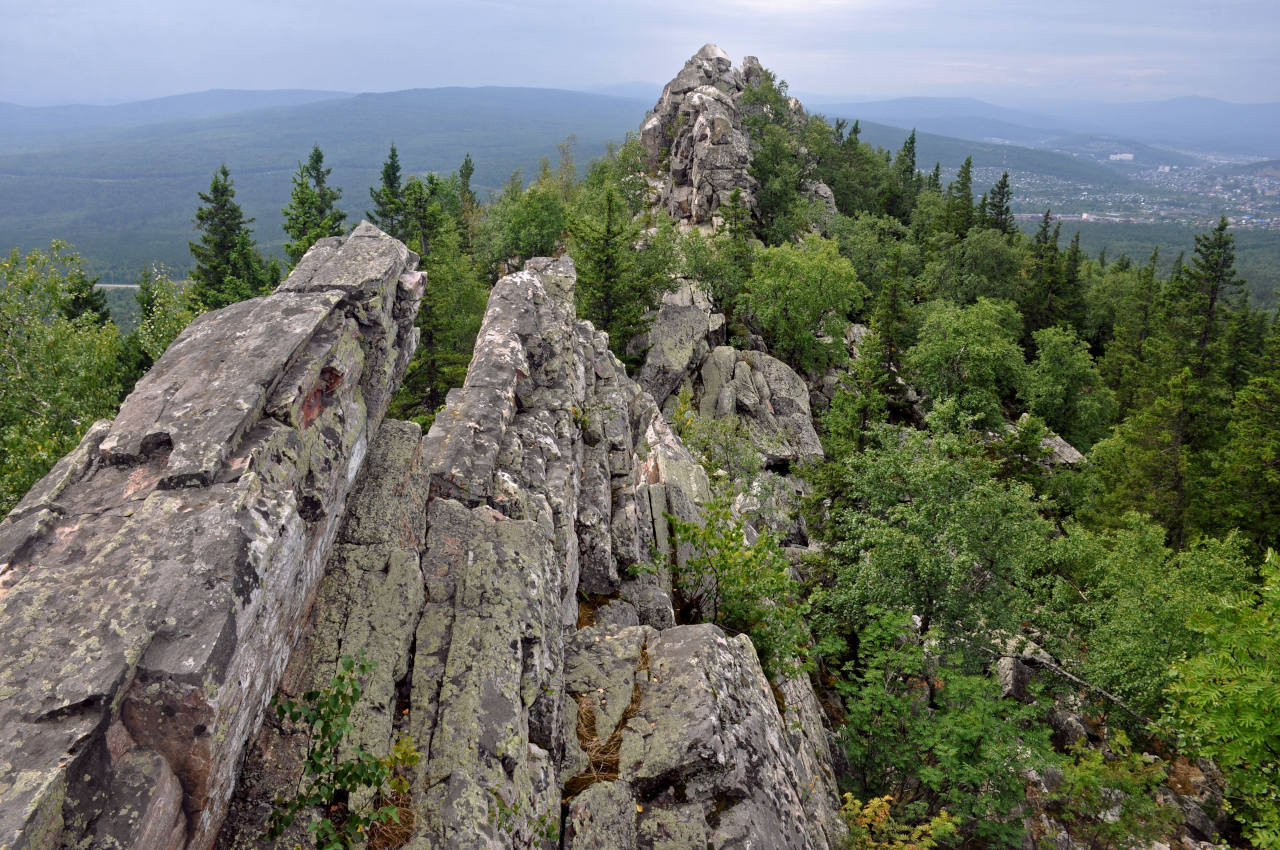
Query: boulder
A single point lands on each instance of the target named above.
(769, 396)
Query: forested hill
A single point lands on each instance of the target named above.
(951, 152)
(30, 128)
(124, 195)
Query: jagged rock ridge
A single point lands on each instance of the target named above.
(497, 570)
(541, 668)
(152, 585)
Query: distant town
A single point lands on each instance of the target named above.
(1196, 195)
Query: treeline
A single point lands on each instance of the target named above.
(64, 364)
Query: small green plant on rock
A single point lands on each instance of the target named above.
(723, 444)
(506, 819)
(746, 589)
(334, 785)
(1108, 799)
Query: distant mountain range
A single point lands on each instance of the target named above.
(120, 182)
(34, 127)
(1191, 123)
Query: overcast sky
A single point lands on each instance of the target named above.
(65, 51)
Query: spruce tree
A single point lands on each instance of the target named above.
(228, 267)
(959, 201)
(311, 214)
(423, 214)
(85, 299)
(999, 210)
(619, 285)
(465, 171)
(908, 183)
(1127, 364)
(388, 197)
(1213, 276)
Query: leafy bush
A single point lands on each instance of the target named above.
(1226, 701)
(722, 444)
(970, 354)
(872, 826)
(802, 297)
(331, 783)
(58, 371)
(746, 589)
(932, 731)
(1064, 387)
(1106, 799)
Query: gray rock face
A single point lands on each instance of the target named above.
(528, 669)
(674, 345)
(508, 573)
(770, 397)
(696, 127)
(155, 581)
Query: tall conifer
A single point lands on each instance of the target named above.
(311, 213)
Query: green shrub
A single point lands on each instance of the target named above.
(746, 589)
(802, 297)
(333, 784)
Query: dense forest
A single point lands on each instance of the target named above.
(1141, 582)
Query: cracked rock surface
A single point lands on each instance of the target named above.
(155, 581)
(249, 520)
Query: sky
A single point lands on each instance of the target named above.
(104, 51)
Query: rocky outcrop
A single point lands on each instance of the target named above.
(769, 396)
(248, 521)
(153, 585)
(696, 129)
(546, 673)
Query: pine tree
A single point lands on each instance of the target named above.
(934, 180)
(1071, 305)
(619, 285)
(1040, 293)
(890, 318)
(980, 220)
(465, 171)
(906, 179)
(1213, 276)
(605, 264)
(1127, 365)
(228, 267)
(1164, 458)
(423, 213)
(311, 214)
(388, 197)
(85, 299)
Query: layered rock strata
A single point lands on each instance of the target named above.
(153, 585)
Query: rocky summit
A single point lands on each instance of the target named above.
(696, 130)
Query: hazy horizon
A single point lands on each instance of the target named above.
(613, 90)
(77, 52)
